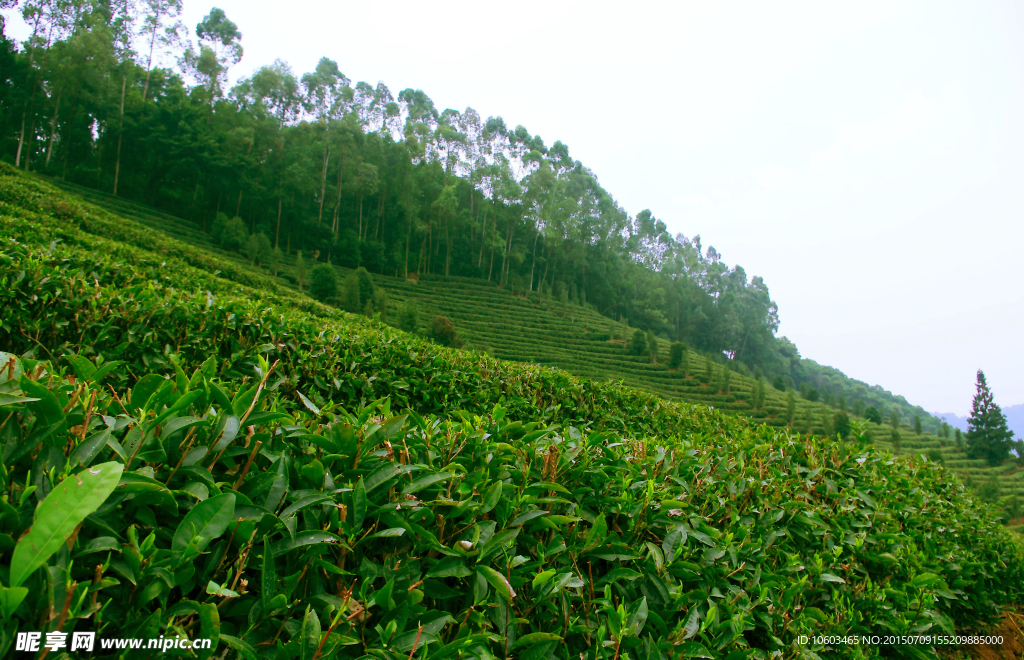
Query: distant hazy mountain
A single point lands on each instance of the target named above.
(1014, 419)
(953, 420)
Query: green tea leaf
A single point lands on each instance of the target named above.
(420, 483)
(204, 523)
(309, 635)
(380, 475)
(542, 578)
(244, 648)
(59, 514)
(498, 581)
(536, 638)
(309, 404)
(694, 650)
(10, 598)
(268, 576)
(597, 533)
(303, 539)
(358, 504)
(84, 369)
(491, 497)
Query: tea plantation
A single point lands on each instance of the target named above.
(193, 449)
(544, 331)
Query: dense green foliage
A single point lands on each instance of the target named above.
(443, 332)
(292, 479)
(323, 283)
(677, 355)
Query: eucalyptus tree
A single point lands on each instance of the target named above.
(509, 193)
(78, 66)
(420, 123)
(328, 95)
(51, 20)
(220, 47)
(447, 141)
(540, 188)
(271, 97)
(122, 22)
(376, 108)
(160, 27)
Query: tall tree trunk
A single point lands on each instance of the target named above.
(21, 136)
(506, 261)
(533, 263)
(408, 228)
(53, 128)
(24, 107)
(192, 209)
(149, 66)
(448, 243)
(120, 127)
(238, 207)
(277, 232)
(547, 261)
(380, 213)
(67, 147)
(32, 101)
(419, 262)
(323, 180)
(483, 239)
(337, 203)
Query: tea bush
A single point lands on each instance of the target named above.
(295, 482)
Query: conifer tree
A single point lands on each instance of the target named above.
(987, 434)
(790, 407)
(917, 425)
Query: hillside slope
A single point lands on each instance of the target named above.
(381, 494)
(577, 339)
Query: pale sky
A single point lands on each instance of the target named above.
(860, 157)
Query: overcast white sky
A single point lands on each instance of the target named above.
(866, 159)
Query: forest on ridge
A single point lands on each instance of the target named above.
(357, 175)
